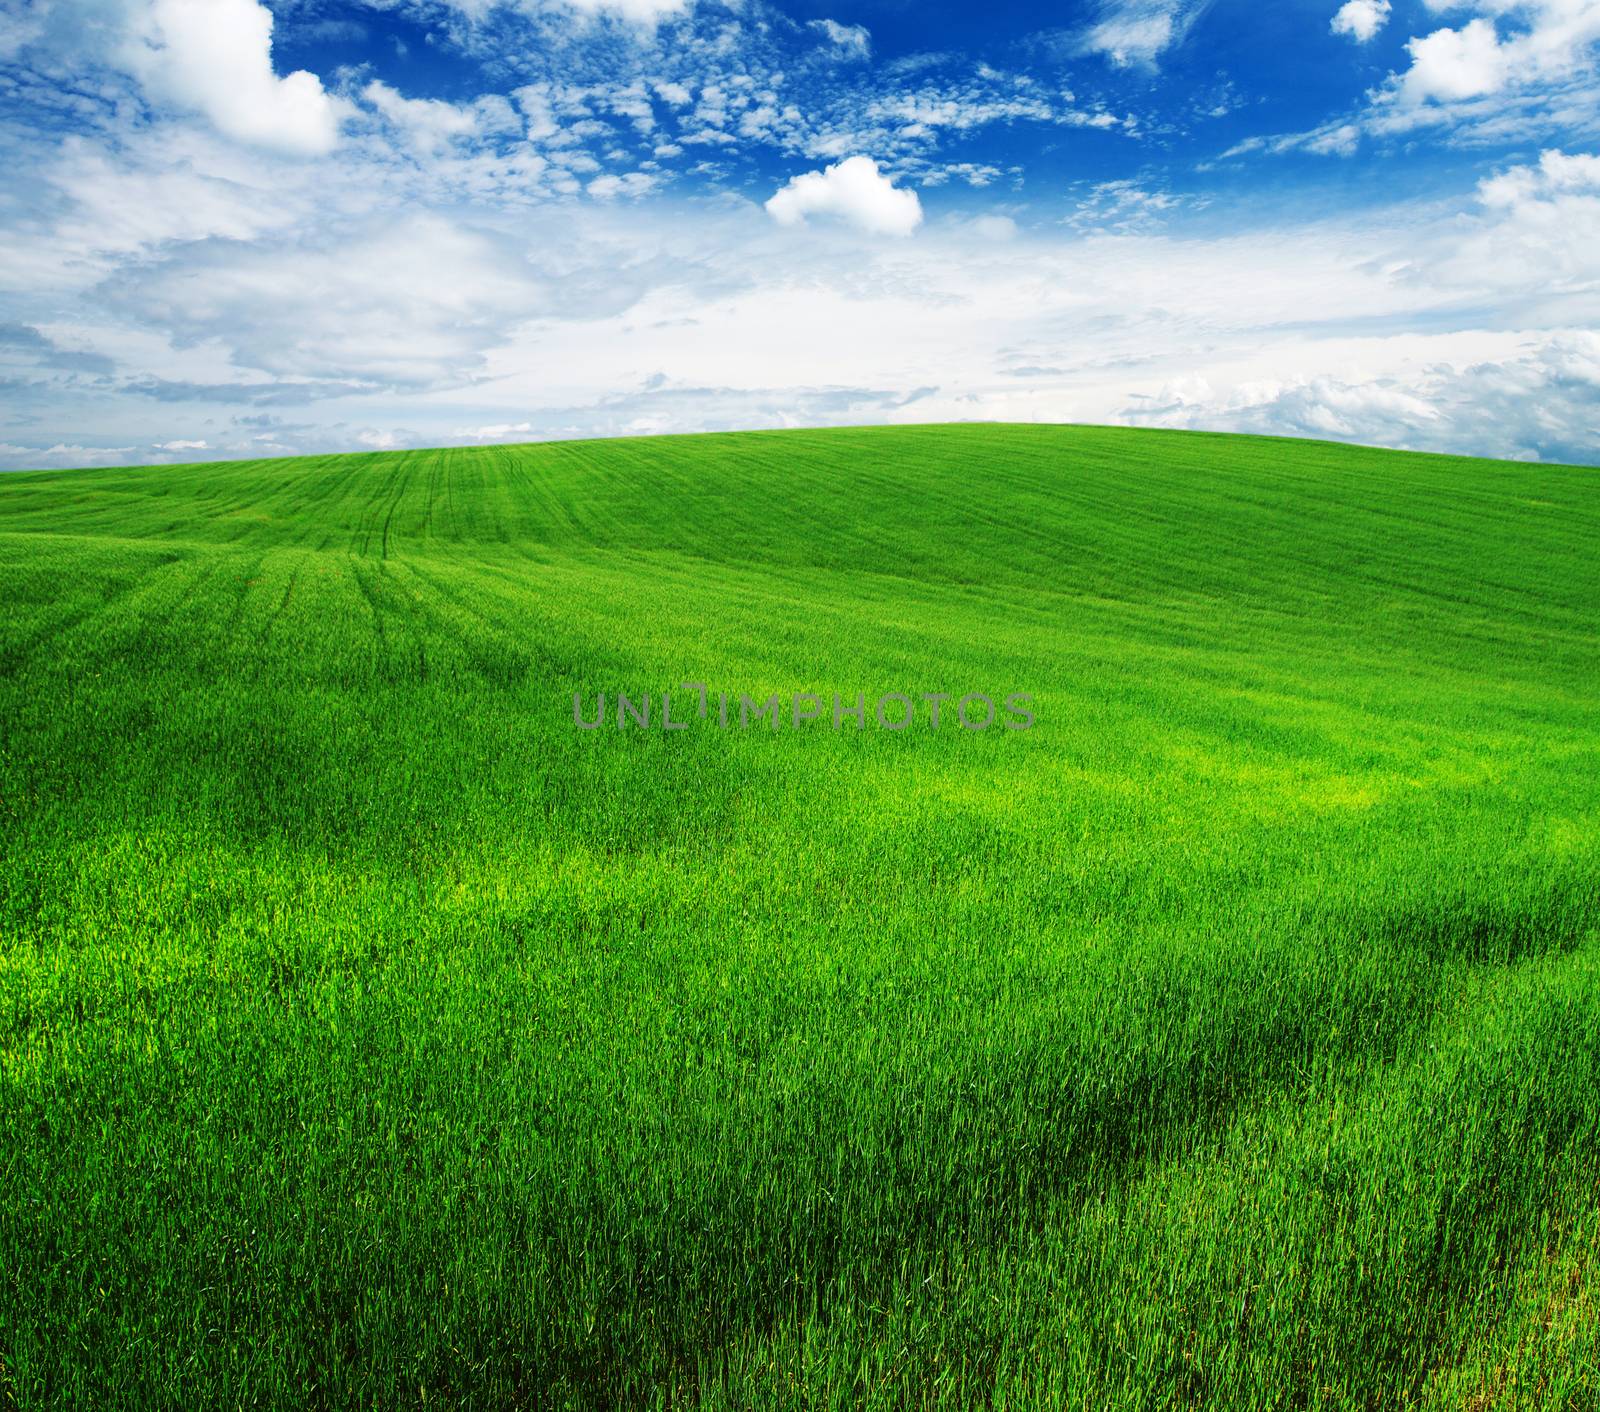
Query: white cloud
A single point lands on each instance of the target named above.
(996, 228)
(1557, 174)
(1538, 403)
(853, 190)
(931, 109)
(1361, 19)
(1138, 32)
(757, 122)
(630, 184)
(498, 431)
(1540, 234)
(1335, 139)
(1548, 40)
(855, 41)
(644, 12)
(166, 187)
(18, 30)
(428, 124)
(404, 303)
(526, 334)
(1308, 406)
(20, 458)
(1516, 71)
(215, 57)
(182, 446)
(1451, 64)
(1341, 140)
(1123, 206)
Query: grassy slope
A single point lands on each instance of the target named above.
(369, 1033)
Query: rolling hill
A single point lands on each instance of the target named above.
(374, 1035)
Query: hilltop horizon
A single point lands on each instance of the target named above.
(762, 431)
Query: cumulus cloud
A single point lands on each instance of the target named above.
(1539, 233)
(181, 446)
(1546, 40)
(215, 57)
(1451, 64)
(853, 190)
(1558, 173)
(1361, 19)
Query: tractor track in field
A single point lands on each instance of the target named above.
(15, 656)
(283, 606)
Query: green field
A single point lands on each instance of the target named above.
(372, 1036)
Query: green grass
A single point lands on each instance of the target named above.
(370, 1036)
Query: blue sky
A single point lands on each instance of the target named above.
(235, 228)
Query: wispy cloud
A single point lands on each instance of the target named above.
(1138, 32)
(852, 41)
